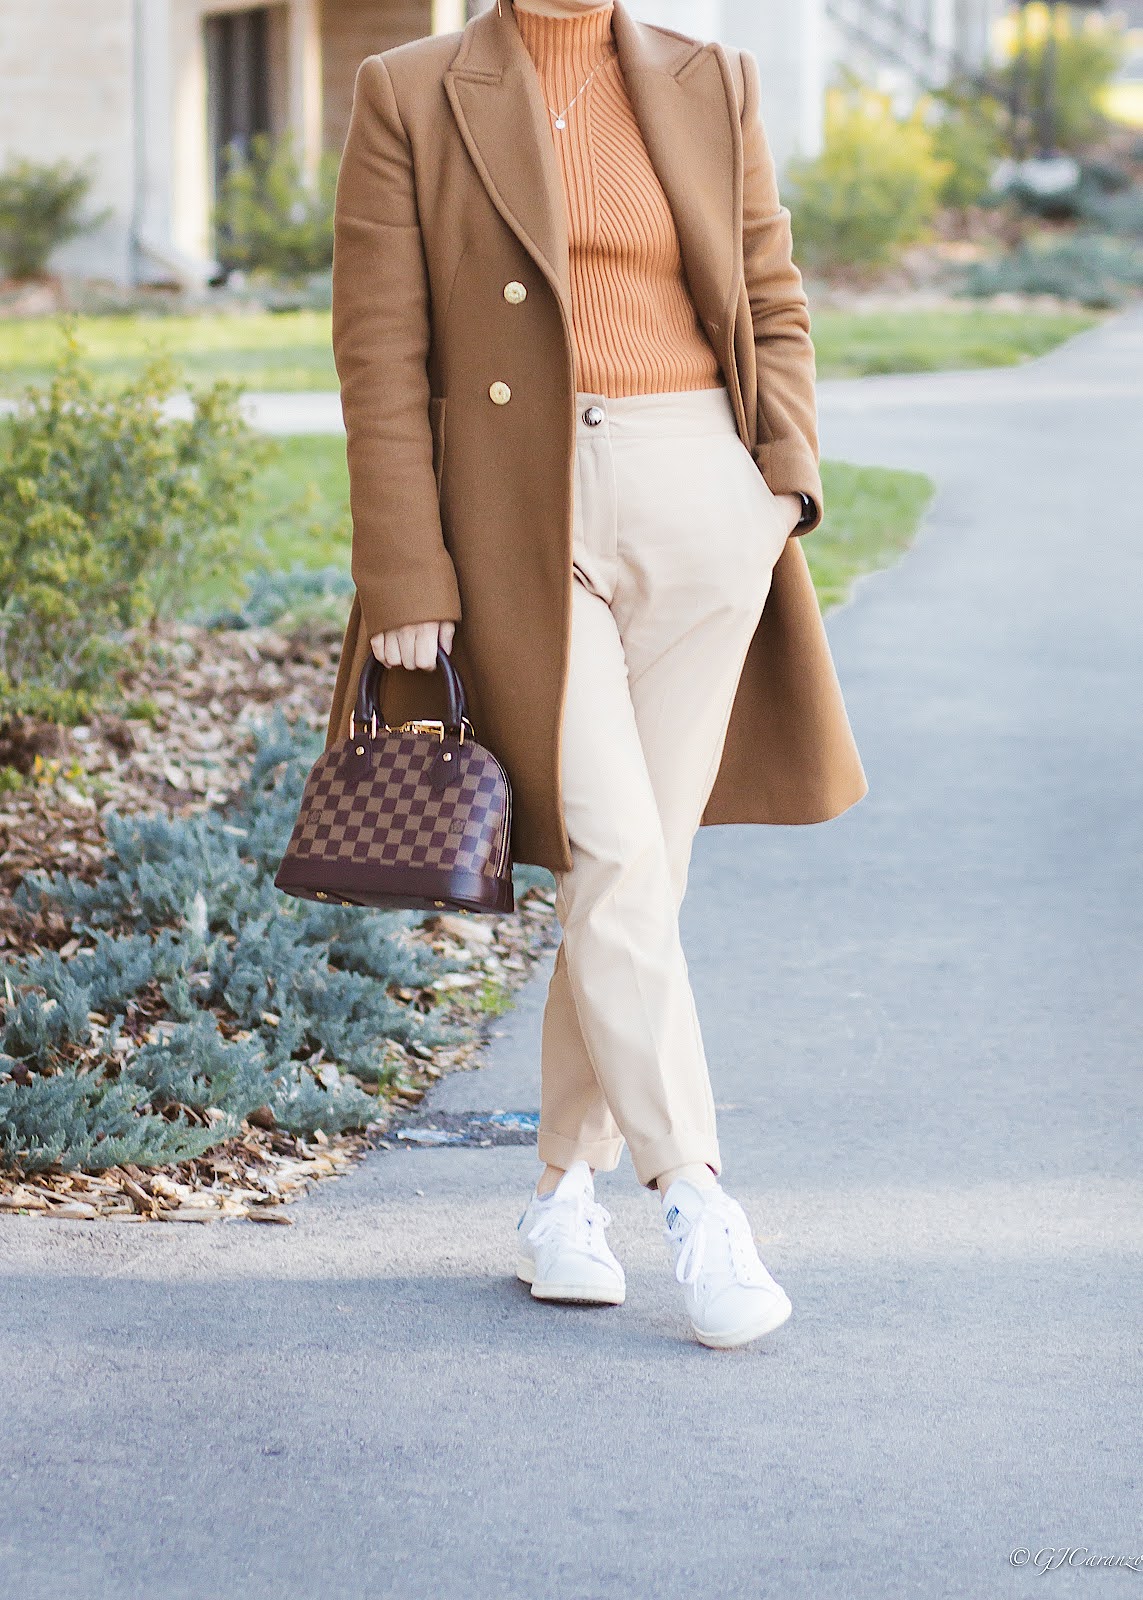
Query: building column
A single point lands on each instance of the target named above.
(151, 156)
(190, 178)
(305, 81)
(448, 16)
(788, 39)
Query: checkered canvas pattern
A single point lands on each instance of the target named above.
(384, 811)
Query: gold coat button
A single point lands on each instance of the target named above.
(499, 394)
(515, 292)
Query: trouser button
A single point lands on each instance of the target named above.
(593, 416)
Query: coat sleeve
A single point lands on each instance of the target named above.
(787, 451)
(400, 565)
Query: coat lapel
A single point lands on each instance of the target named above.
(495, 94)
(681, 96)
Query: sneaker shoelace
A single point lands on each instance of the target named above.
(721, 1217)
(578, 1215)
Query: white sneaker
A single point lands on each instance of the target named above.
(562, 1251)
(730, 1296)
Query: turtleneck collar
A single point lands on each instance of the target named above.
(596, 18)
(567, 41)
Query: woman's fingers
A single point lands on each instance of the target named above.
(425, 644)
(414, 645)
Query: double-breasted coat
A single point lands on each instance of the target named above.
(449, 198)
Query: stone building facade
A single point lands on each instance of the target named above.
(151, 91)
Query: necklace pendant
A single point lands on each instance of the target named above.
(560, 123)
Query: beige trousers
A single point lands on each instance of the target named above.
(676, 534)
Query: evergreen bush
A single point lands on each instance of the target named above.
(40, 210)
(110, 512)
(1089, 268)
(969, 137)
(270, 216)
(874, 188)
(200, 993)
(300, 596)
(1114, 211)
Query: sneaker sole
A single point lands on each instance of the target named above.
(575, 1293)
(754, 1330)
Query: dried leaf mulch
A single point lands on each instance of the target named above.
(194, 695)
(197, 694)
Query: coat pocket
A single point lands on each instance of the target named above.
(437, 428)
(771, 517)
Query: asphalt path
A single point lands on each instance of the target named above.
(924, 1028)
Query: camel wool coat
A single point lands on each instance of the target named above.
(449, 199)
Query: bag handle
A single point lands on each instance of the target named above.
(367, 710)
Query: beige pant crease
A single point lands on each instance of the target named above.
(675, 537)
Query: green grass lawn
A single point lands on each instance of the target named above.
(291, 350)
(301, 515)
(259, 350)
(300, 512)
(871, 516)
(853, 344)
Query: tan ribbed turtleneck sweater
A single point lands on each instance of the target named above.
(634, 322)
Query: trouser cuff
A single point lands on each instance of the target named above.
(559, 1151)
(673, 1150)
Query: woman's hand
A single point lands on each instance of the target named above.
(414, 645)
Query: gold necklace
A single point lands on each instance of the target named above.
(562, 116)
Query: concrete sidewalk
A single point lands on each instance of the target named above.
(924, 1028)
